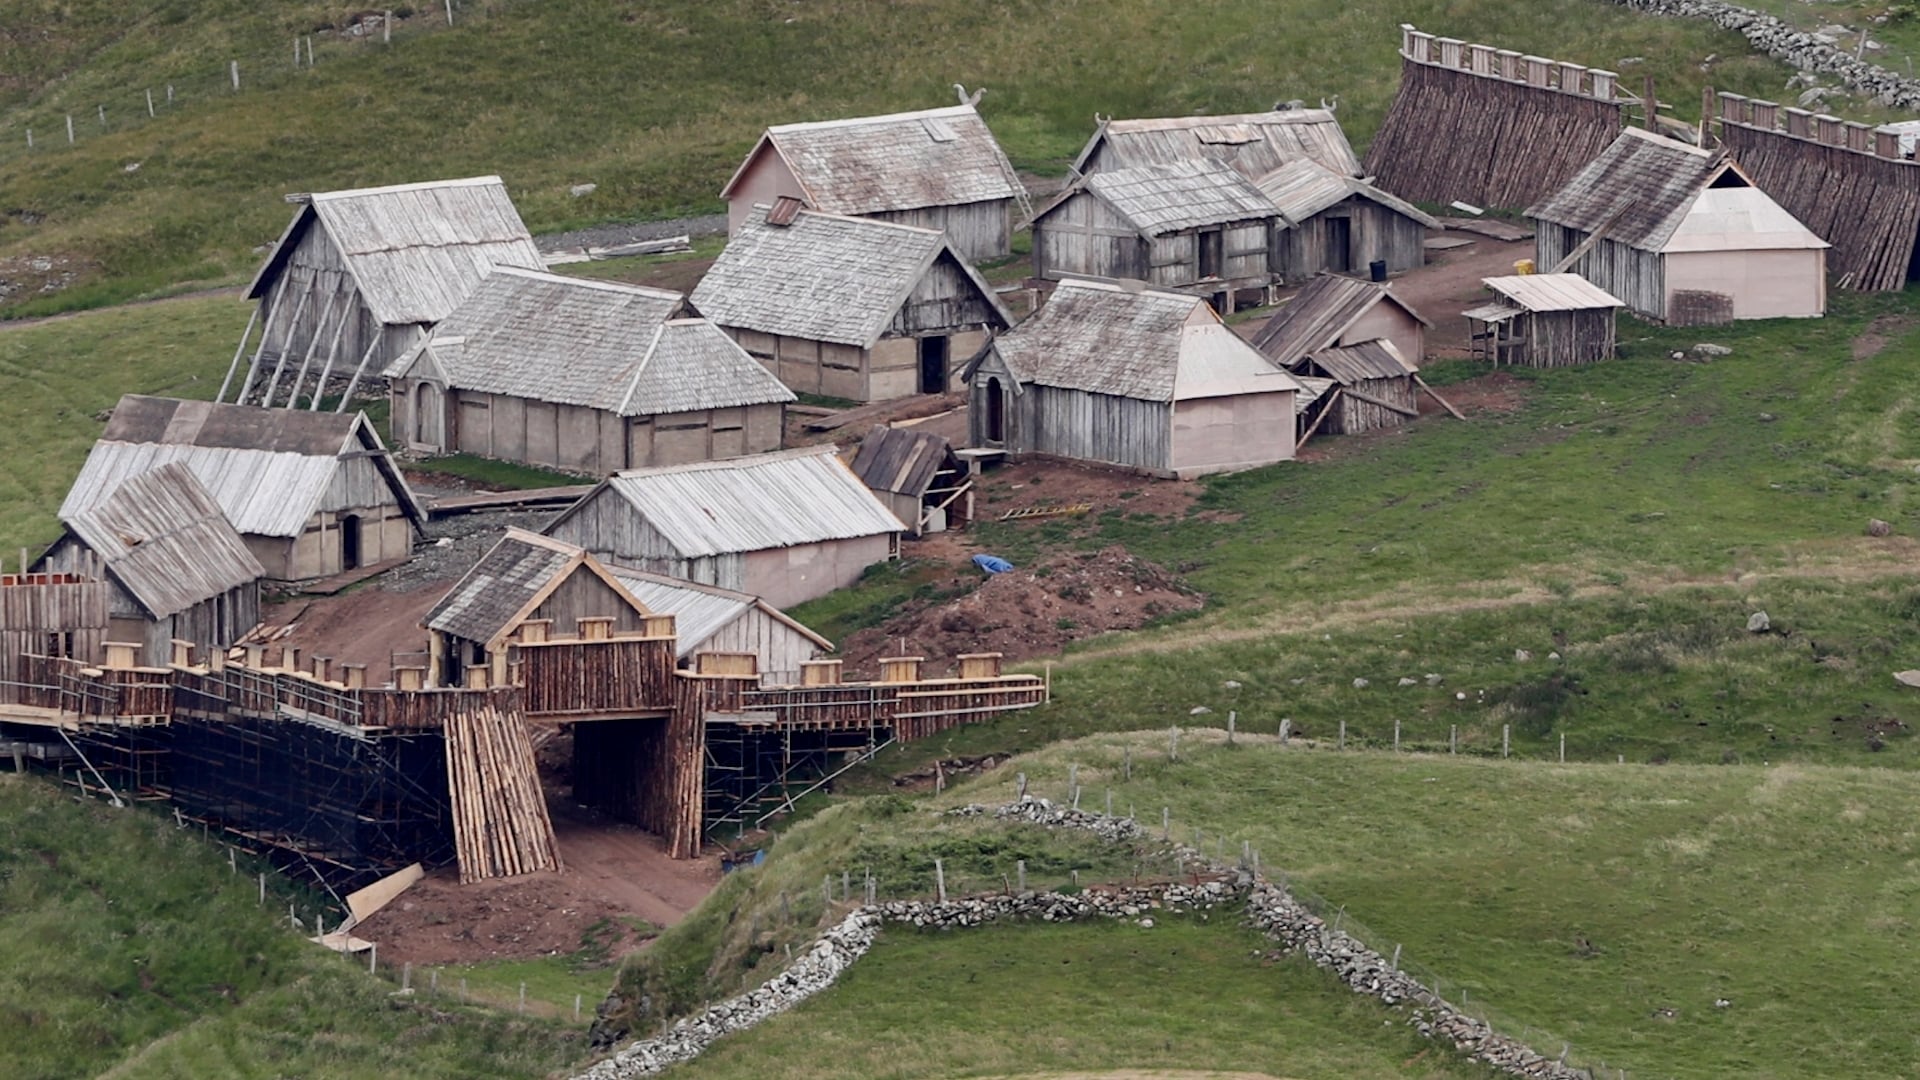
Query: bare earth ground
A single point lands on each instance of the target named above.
(364, 626)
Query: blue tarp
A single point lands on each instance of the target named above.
(992, 564)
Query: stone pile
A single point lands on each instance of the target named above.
(1805, 51)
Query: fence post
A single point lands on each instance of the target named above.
(1343, 734)
(1020, 781)
(826, 892)
(386, 32)
(69, 129)
(1127, 764)
(576, 1008)
(309, 50)
(1563, 748)
(1076, 796)
(1506, 732)
(1073, 777)
(449, 12)
(1166, 823)
(1231, 718)
(263, 888)
(1396, 735)
(846, 886)
(433, 983)
(523, 998)
(29, 138)
(233, 69)
(1453, 740)
(940, 880)
(296, 52)
(169, 93)
(373, 958)
(406, 975)
(1020, 873)
(1109, 802)
(1395, 962)
(103, 115)
(150, 103)
(1286, 727)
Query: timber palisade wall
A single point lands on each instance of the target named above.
(39, 613)
(1828, 172)
(1490, 126)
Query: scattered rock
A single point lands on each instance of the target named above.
(1553, 656)
(1405, 681)
(1876, 527)
(1434, 679)
(1199, 710)
(1808, 52)
(1361, 684)
(1521, 656)
(1460, 695)
(1707, 348)
(1231, 684)
(579, 191)
(131, 166)
(1758, 623)
(1146, 924)
(1908, 678)
(1767, 418)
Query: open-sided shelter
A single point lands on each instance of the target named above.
(1333, 311)
(1341, 224)
(918, 476)
(935, 168)
(786, 526)
(175, 567)
(1194, 226)
(584, 376)
(1680, 234)
(849, 307)
(1369, 386)
(1253, 143)
(312, 494)
(1543, 321)
(1128, 376)
(707, 618)
(360, 275)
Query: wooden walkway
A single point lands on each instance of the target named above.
(329, 586)
(506, 500)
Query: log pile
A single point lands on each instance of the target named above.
(500, 822)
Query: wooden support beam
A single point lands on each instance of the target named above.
(272, 306)
(1444, 403)
(354, 383)
(1592, 238)
(306, 360)
(286, 339)
(1327, 407)
(1388, 405)
(238, 351)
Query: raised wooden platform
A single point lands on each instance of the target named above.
(506, 500)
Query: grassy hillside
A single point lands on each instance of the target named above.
(655, 102)
(132, 951)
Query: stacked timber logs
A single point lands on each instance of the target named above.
(1505, 131)
(500, 822)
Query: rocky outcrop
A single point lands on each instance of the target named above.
(1805, 51)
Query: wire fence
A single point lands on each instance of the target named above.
(65, 119)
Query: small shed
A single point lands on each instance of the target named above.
(786, 526)
(1340, 224)
(359, 276)
(583, 376)
(1681, 235)
(1544, 321)
(1370, 386)
(524, 578)
(1195, 226)
(1255, 144)
(849, 307)
(935, 168)
(1332, 311)
(312, 494)
(711, 619)
(919, 478)
(1128, 376)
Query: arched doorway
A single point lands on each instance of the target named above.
(996, 412)
(429, 417)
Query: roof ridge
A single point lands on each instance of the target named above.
(588, 283)
(854, 218)
(640, 369)
(802, 126)
(394, 189)
(747, 461)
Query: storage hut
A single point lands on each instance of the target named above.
(1194, 226)
(787, 526)
(313, 494)
(175, 567)
(918, 476)
(1681, 235)
(582, 376)
(936, 168)
(1544, 321)
(711, 619)
(849, 307)
(1127, 376)
(1253, 143)
(360, 275)
(1332, 311)
(1341, 224)
(524, 578)
(1371, 387)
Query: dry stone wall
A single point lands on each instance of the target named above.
(1804, 50)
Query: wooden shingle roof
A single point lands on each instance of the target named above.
(1253, 143)
(874, 164)
(509, 582)
(1350, 364)
(1304, 187)
(1162, 199)
(164, 539)
(1552, 292)
(1316, 317)
(902, 460)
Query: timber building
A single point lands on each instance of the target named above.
(1333, 311)
(1340, 224)
(1254, 144)
(1543, 321)
(919, 477)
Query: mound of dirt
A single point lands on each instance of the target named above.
(1027, 612)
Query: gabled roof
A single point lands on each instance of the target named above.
(1644, 187)
(782, 499)
(268, 469)
(164, 539)
(701, 611)
(1552, 292)
(825, 277)
(1349, 364)
(1161, 199)
(903, 461)
(1316, 317)
(874, 164)
(414, 250)
(510, 582)
(1104, 338)
(1254, 143)
(595, 344)
(1304, 187)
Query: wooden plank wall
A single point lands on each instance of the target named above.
(597, 677)
(35, 607)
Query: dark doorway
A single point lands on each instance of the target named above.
(1339, 244)
(1211, 254)
(996, 412)
(350, 542)
(933, 365)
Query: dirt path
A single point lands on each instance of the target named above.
(233, 291)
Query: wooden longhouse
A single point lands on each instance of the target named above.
(786, 526)
(175, 569)
(582, 376)
(1192, 226)
(312, 494)
(1127, 376)
(1254, 144)
(1544, 321)
(1340, 224)
(849, 307)
(1681, 235)
(936, 168)
(1333, 312)
(918, 476)
(360, 276)
(1369, 386)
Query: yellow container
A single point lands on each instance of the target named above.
(1523, 266)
